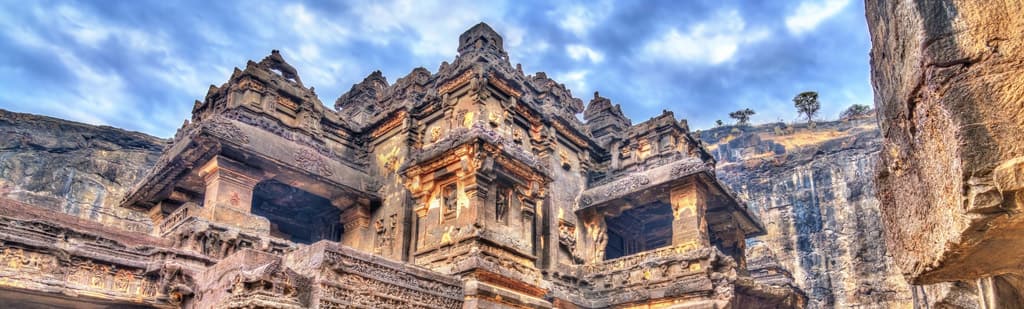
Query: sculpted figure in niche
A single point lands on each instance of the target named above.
(567, 236)
(494, 119)
(645, 149)
(501, 204)
(599, 246)
(666, 143)
(450, 199)
(380, 237)
(435, 134)
(564, 156)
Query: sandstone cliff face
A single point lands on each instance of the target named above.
(948, 87)
(74, 168)
(814, 190)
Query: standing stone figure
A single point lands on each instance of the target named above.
(450, 199)
(501, 205)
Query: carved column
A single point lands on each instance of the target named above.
(689, 206)
(356, 219)
(228, 197)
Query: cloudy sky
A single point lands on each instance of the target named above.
(139, 65)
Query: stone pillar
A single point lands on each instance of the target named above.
(228, 197)
(689, 206)
(356, 219)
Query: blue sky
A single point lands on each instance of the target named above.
(139, 65)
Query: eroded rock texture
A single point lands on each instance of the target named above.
(948, 87)
(815, 192)
(814, 189)
(949, 90)
(74, 168)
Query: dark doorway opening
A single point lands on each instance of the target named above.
(640, 229)
(295, 214)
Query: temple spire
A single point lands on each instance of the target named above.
(480, 38)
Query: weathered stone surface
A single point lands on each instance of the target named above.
(474, 187)
(814, 190)
(948, 87)
(74, 168)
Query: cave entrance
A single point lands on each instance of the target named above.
(640, 229)
(295, 214)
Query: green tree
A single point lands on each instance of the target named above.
(741, 116)
(855, 111)
(719, 123)
(807, 104)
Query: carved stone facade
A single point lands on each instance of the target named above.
(475, 187)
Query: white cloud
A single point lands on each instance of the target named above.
(809, 14)
(579, 19)
(513, 36)
(575, 80)
(309, 26)
(90, 31)
(432, 27)
(710, 42)
(580, 52)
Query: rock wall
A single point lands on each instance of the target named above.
(814, 190)
(74, 168)
(949, 82)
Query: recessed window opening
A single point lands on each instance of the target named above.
(295, 214)
(640, 229)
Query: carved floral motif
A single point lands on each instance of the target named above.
(227, 130)
(313, 162)
(463, 79)
(504, 87)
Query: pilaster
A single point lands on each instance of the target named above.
(689, 206)
(228, 197)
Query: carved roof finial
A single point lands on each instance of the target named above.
(275, 62)
(480, 38)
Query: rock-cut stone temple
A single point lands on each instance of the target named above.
(476, 186)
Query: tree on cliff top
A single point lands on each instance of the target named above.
(741, 116)
(855, 111)
(807, 104)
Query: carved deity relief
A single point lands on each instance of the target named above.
(624, 151)
(467, 118)
(600, 244)
(382, 241)
(450, 200)
(311, 122)
(567, 236)
(460, 116)
(286, 102)
(391, 159)
(26, 261)
(644, 150)
(517, 136)
(564, 157)
(235, 199)
(493, 118)
(501, 204)
(666, 143)
(435, 134)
